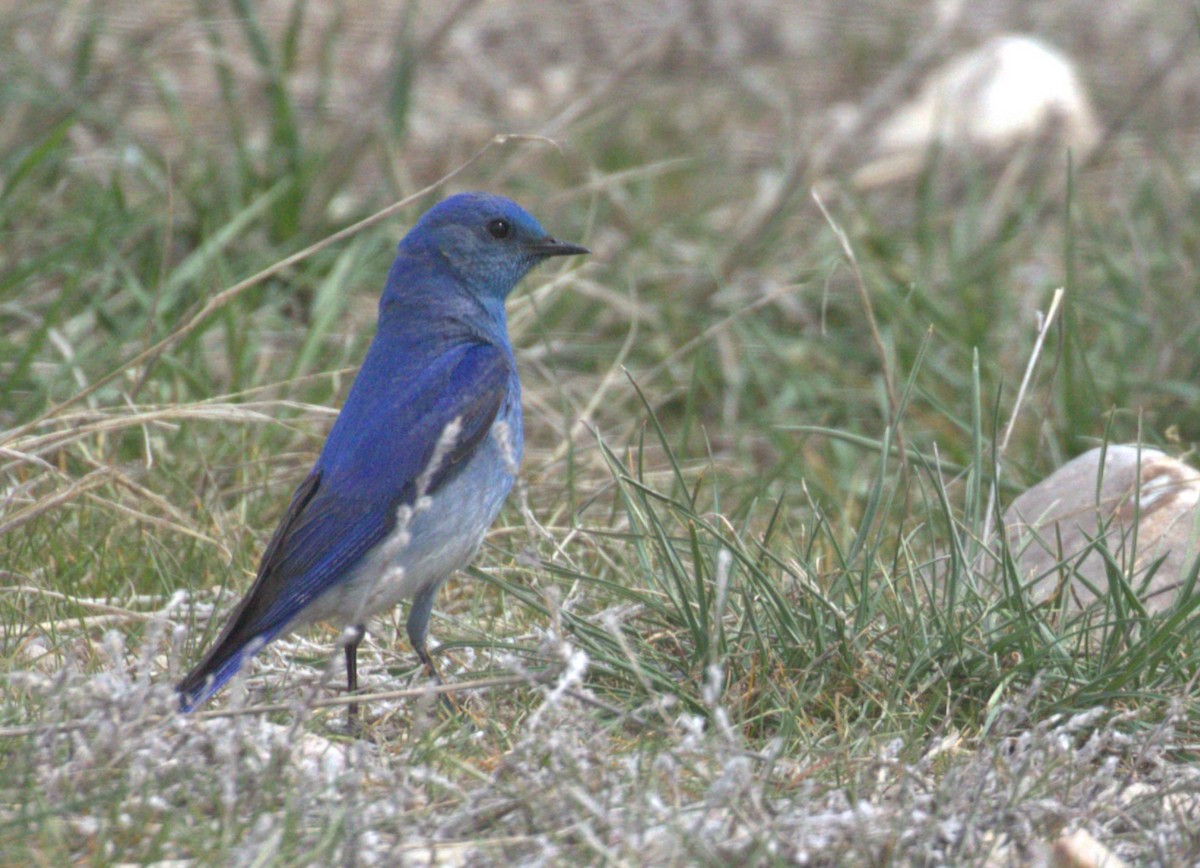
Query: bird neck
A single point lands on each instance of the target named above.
(421, 293)
(447, 318)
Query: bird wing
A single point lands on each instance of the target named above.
(376, 457)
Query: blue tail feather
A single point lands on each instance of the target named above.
(211, 675)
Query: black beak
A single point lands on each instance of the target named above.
(553, 247)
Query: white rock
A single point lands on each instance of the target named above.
(1011, 91)
(1075, 505)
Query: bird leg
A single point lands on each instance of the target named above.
(418, 630)
(351, 650)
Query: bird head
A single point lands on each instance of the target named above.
(488, 241)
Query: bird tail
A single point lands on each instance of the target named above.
(219, 665)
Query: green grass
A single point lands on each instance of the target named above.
(745, 583)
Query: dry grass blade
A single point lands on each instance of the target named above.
(1044, 324)
(74, 489)
(885, 362)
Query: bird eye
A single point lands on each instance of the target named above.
(499, 228)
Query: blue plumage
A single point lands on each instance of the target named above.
(422, 454)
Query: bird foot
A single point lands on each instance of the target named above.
(446, 700)
(351, 726)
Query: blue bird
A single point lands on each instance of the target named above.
(421, 456)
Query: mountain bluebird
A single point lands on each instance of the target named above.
(421, 456)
